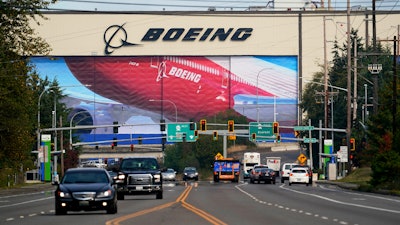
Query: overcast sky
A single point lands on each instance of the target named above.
(203, 5)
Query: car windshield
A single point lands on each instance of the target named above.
(190, 170)
(139, 164)
(170, 171)
(85, 177)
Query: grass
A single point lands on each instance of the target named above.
(360, 176)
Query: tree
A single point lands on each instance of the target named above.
(18, 82)
(373, 133)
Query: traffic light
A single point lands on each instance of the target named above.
(253, 136)
(203, 125)
(352, 144)
(115, 142)
(275, 127)
(52, 147)
(115, 128)
(215, 135)
(112, 145)
(131, 147)
(140, 141)
(162, 125)
(278, 138)
(231, 125)
(196, 134)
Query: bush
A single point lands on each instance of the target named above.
(385, 170)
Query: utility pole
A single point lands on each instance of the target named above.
(348, 127)
(375, 99)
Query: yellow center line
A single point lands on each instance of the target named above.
(181, 198)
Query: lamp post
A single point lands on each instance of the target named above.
(166, 100)
(258, 108)
(70, 127)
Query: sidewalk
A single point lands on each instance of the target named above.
(27, 188)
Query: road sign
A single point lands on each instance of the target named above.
(342, 154)
(310, 140)
(263, 130)
(176, 132)
(302, 128)
(218, 156)
(302, 158)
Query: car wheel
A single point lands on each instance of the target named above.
(282, 180)
(60, 211)
(113, 209)
(273, 182)
(159, 195)
(306, 184)
(290, 184)
(120, 196)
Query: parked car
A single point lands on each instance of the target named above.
(169, 174)
(299, 175)
(264, 174)
(190, 173)
(285, 171)
(86, 189)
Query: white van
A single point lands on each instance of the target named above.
(285, 171)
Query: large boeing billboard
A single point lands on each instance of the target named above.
(137, 90)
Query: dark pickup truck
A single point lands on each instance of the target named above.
(139, 176)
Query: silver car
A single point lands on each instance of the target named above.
(169, 174)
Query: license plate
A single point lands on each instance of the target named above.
(84, 203)
(298, 179)
(139, 188)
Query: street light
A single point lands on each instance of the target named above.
(70, 127)
(258, 108)
(176, 109)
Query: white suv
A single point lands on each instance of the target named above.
(285, 171)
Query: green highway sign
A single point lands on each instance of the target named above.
(302, 128)
(310, 140)
(176, 132)
(262, 130)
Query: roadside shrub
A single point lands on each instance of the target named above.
(385, 170)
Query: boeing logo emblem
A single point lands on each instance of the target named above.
(116, 37)
(113, 32)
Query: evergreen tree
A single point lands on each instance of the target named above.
(18, 83)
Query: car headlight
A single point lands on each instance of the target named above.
(121, 176)
(157, 177)
(62, 194)
(104, 194)
(196, 174)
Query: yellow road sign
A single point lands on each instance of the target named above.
(302, 158)
(218, 156)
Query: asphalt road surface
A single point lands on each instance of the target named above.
(205, 202)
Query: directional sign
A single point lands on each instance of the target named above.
(302, 158)
(310, 140)
(302, 128)
(263, 130)
(176, 132)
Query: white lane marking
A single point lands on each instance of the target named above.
(340, 202)
(22, 203)
(361, 194)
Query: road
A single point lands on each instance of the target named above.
(206, 202)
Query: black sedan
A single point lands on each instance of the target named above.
(266, 175)
(85, 189)
(190, 173)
